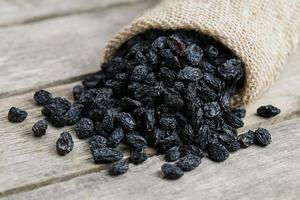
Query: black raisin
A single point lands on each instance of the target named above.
(230, 142)
(173, 154)
(188, 162)
(39, 128)
(217, 152)
(268, 111)
(231, 70)
(171, 171)
(211, 109)
(64, 144)
(16, 114)
(262, 137)
(73, 115)
(97, 142)
(168, 122)
(106, 155)
(43, 97)
(193, 54)
(246, 139)
(138, 156)
(233, 120)
(116, 137)
(84, 128)
(126, 121)
(135, 140)
(139, 73)
(189, 74)
(118, 168)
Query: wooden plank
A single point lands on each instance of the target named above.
(253, 173)
(14, 12)
(28, 162)
(284, 94)
(69, 46)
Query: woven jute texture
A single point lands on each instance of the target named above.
(262, 33)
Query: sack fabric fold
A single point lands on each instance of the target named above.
(262, 33)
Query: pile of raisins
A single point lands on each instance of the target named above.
(169, 90)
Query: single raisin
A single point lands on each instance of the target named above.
(39, 128)
(268, 111)
(64, 144)
(16, 114)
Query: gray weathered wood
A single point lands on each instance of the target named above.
(28, 162)
(68, 46)
(14, 12)
(253, 173)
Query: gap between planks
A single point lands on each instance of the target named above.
(278, 96)
(270, 172)
(59, 50)
(16, 13)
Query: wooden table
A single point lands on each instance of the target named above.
(52, 44)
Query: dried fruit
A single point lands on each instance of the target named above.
(64, 144)
(171, 171)
(126, 121)
(118, 168)
(193, 54)
(262, 137)
(43, 97)
(212, 109)
(16, 114)
(97, 142)
(39, 128)
(139, 73)
(217, 152)
(189, 74)
(268, 111)
(246, 139)
(188, 162)
(106, 155)
(168, 122)
(173, 154)
(116, 137)
(138, 155)
(84, 128)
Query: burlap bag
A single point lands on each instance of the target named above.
(262, 33)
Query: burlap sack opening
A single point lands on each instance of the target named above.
(262, 33)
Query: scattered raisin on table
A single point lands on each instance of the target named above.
(118, 168)
(16, 114)
(246, 139)
(64, 144)
(262, 137)
(39, 128)
(171, 171)
(268, 111)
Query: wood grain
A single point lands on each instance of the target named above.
(69, 46)
(14, 12)
(253, 173)
(28, 162)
